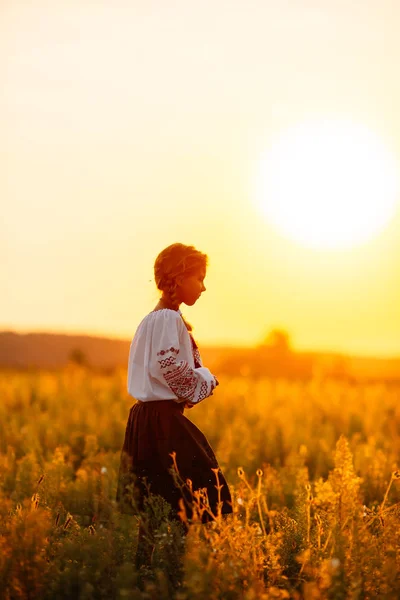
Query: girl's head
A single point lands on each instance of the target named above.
(179, 273)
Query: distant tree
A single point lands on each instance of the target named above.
(78, 357)
(277, 341)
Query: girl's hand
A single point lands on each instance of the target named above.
(188, 404)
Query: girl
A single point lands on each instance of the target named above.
(165, 375)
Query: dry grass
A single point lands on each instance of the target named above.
(313, 469)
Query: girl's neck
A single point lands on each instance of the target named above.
(166, 302)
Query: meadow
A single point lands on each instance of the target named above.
(313, 468)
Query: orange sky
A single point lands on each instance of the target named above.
(128, 126)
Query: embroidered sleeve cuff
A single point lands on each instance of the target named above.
(204, 388)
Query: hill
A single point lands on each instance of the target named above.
(51, 351)
(45, 350)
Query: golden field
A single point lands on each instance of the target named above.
(312, 465)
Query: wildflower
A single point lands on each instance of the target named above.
(58, 458)
(103, 470)
(35, 501)
(303, 451)
(335, 563)
(82, 474)
(240, 501)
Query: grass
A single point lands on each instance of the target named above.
(313, 469)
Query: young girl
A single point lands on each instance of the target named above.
(165, 375)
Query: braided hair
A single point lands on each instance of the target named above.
(174, 261)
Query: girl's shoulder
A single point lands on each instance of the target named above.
(160, 318)
(164, 313)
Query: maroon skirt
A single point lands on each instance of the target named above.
(154, 431)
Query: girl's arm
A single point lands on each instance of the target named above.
(191, 385)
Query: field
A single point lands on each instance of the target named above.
(313, 469)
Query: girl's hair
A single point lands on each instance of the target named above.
(175, 260)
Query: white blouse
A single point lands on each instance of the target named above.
(164, 362)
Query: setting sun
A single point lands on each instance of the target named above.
(328, 184)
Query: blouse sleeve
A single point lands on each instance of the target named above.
(188, 384)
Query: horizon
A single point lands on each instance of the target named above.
(238, 346)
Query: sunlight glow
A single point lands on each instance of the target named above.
(328, 184)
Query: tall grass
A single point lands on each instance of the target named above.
(313, 469)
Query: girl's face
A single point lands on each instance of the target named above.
(190, 287)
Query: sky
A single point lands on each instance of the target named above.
(127, 126)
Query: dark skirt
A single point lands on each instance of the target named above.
(155, 430)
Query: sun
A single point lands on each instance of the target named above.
(328, 184)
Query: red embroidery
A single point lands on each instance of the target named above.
(182, 381)
(203, 391)
(181, 378)
(196, 353)
(172, 349)
(167, 362)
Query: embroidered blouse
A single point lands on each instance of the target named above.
(165, 363)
